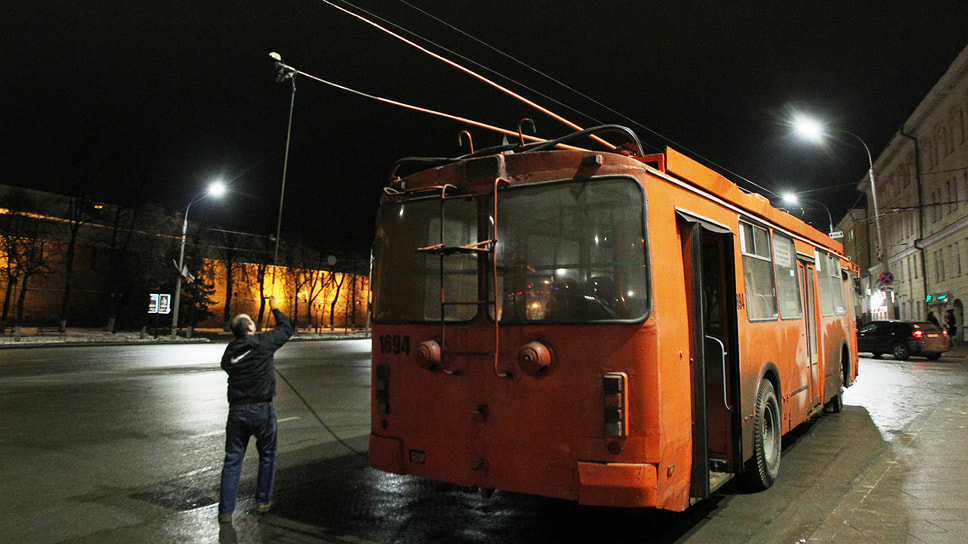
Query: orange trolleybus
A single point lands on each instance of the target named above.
(612, 328)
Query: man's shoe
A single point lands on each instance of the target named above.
(225, 518)
(263, 508)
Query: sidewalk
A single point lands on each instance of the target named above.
(917, 490)
(87, 336)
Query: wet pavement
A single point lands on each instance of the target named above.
(890, 468)
(916, 489)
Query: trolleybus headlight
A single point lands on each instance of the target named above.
(428, 354)
(535, 358)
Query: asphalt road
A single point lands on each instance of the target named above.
(124, 443)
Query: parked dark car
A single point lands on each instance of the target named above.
(902, 339)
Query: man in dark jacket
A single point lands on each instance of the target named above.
(252, 384)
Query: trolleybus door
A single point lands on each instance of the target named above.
(708, 260)
(807, 277)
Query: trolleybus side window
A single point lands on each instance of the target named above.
(788, 288)
(832, 299)
(572, 252)
(407, 282)
(758, 272)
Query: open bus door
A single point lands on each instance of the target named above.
(711, 295)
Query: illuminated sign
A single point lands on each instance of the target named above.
(159, 303)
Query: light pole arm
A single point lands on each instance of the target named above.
(830, 218)
(879, 253)
(870, 172)
(792, 198)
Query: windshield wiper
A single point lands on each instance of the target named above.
(441, 249)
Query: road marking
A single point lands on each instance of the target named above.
(286, 419)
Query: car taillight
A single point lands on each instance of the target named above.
(918, 334)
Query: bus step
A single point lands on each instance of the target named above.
(718, 479)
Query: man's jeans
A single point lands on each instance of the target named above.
(244, 421)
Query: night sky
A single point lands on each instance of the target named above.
(155, 99)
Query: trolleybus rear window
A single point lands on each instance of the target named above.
(407, 282)
(572, 252)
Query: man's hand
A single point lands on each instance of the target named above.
(272, 302)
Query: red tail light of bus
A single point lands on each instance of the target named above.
(615, 403)
(429, 354)
(382, 389)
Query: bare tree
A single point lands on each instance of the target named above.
(295, 272)
(91, 160)
(332, 305)
(32, 261)
(312, 277)
(230, 253)
(22, 242)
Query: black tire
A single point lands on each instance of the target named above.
(900, 351)
(767, 438)
(836, 404)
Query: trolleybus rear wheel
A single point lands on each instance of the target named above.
(767, 439)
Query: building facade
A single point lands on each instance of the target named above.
(921, 179)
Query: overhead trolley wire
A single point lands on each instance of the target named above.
(464, 69)
(556, 81)
(506, 90)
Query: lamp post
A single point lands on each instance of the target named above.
(215, 189)
(793, 199)
(813, 130)
(284, 72)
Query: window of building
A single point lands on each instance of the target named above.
(956, 249)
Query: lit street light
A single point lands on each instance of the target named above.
(814, 131)
(792, 200)
(215, 189)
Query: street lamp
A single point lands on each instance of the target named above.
(793, 199)
(215, 189)
(284, 72)
(813, 130)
